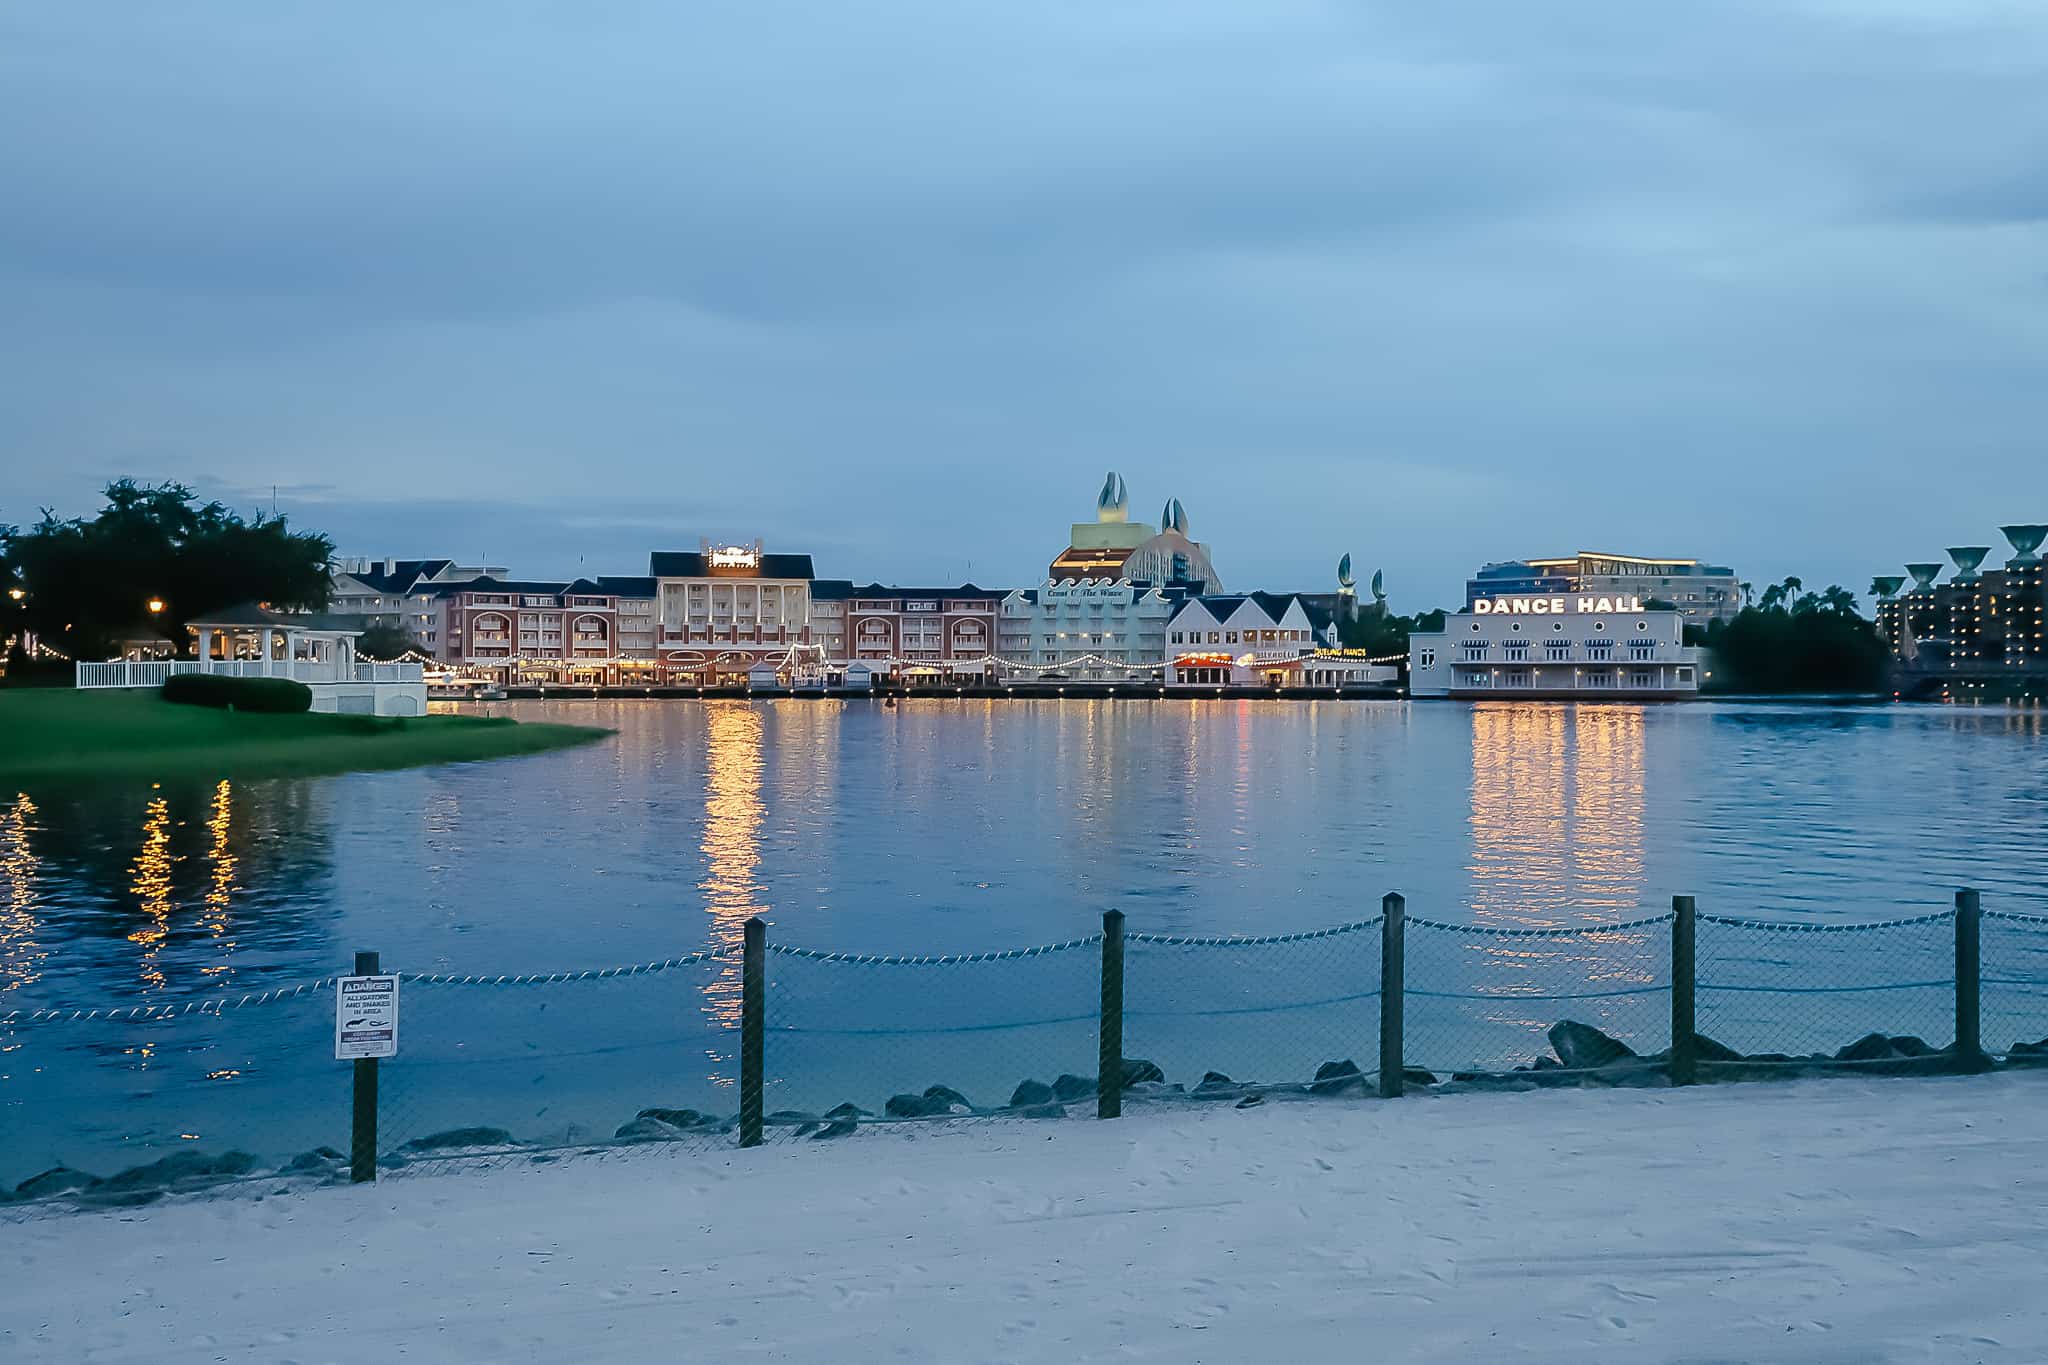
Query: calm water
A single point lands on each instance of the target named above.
(951, 827)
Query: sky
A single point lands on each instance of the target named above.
(556, 284)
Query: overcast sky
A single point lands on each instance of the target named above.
(894, 283)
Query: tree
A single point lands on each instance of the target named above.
(87, 583)
(385, 642)
(1796, 642)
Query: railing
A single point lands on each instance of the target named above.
(153, 672)
(1387, 1004)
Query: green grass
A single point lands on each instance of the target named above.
(64, 733)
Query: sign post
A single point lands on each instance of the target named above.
(365, 1029)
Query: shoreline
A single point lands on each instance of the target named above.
(61, 735)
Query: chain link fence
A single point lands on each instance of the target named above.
(776, 1042)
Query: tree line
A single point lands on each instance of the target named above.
(149, 561)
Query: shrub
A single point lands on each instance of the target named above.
(276, 696)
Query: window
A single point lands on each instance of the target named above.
(1517, 626)
(1685, 675)
(1599, 625)
(1475, 625)
(1557, 625)
(1518, 677)
(1215, 637)
(1427, 659)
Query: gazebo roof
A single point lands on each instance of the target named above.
(255, 616)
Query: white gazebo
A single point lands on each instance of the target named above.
(252, 641)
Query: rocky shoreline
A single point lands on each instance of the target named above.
(1580, 1055)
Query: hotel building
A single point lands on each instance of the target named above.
(1700, 592)
(398, 593)
(1981, 630)
(1094, 630)
(1579, 647)
(724, 610)
(946, 630)
(1221, 639)
(1114, 547)
(568, 632)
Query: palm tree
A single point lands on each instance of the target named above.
(1839, 600)
(1748, 594)
(1773, 598)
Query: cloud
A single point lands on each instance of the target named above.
(1431, 284)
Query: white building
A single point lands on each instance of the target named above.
(1258, 638)
(1554, 645)
(1085, 630)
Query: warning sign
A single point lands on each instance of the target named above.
(366, 1017)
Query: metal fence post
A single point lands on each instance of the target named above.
(362, 1136)
(753, 987)
(1393, 922)
(1109, 1061)
(1969, 981)
(1684, 976)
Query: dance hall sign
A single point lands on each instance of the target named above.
(1553, 604)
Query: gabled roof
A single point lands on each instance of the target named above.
(405, 573)
(626, 587)
(690, 564)
(877, 590)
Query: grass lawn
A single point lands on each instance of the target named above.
(65, 733)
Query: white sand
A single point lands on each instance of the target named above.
(1825, 1221)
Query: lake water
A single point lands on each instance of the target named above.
(938, 828)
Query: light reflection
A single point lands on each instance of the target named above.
(20, 955)
(151, 885)
(221, 889)
(732, 842)
(1557, 840)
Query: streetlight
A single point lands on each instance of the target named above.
(16, 593)
(156, 606)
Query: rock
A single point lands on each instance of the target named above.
(1871, 1047)
(178, 1168)
(1250, 1102)
(934, 1103)
(2027, 1054)
(1211, 1080)
(647, 1129)
(1415, 1075)
(1137, 1071)
(1909, 1046)
(449, 1138)
(1582, 1047)
(1029, 1093)
(848, 1110)
(1333, 1078)
(790, 1118)
(679, 1118)
(1705, 1049)
(319, 1159)
(1068, 1087)
(56, 1180)
(1053, 1110)
(391, 1161)
(838, 1128)
(1217, 1086)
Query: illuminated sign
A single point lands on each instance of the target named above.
(1553, 604)
(734, 557)
(920, 606)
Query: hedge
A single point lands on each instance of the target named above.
(280, 696)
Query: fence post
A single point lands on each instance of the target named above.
(1393, 922)
(1684, 976)
(362, 1135)
(753, 987)
(1109, 1060)
(1969, 982)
